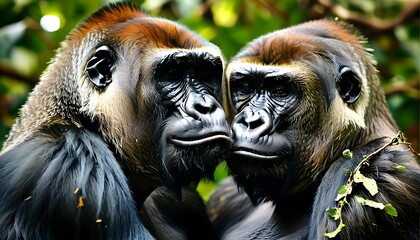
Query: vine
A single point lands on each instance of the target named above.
(355, 177)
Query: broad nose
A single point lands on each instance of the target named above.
(251, 125)
(202, 106)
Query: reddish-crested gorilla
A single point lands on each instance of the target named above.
(129, 104)
(298, 98)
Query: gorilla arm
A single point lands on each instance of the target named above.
(72, 171)
(228, 205)
(168, 217)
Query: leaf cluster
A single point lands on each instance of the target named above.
(356, 177)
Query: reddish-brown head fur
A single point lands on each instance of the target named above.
(290, 44)
(131, 24)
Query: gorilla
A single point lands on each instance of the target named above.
(298, 98)
(128, 105)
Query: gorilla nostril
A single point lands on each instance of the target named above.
(255, 123)
(204, 108)
(251, 121)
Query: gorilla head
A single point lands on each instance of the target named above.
(298, 97)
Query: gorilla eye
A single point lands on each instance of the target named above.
(279, 86)
(348, 85)
(241, 84)
(100, 66)
(244, 87)
(280, 91)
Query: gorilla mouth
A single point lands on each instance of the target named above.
(196, 140)
(253, 154)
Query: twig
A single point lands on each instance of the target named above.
(348, 187)
(411, 87)
(7, 71)
(371, 26)
(270, 5)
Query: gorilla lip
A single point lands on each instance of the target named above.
(255, 155)
(204, 139)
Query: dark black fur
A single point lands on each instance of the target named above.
(39, 178)
(173, 218)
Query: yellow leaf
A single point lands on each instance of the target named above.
(368, 183)
(81, 202)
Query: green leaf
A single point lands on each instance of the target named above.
(400, 168)
(334, 213)
(224, 13)
(205, 189)
(347, 171)
(342, 202)
(369, 203)
(335, 232)
(368, 183)
(390, 210)
(221, 172)
(342, 192)
(347, 154)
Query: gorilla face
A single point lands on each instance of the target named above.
(195, 131)
(293, 94)
(264, 138)
(263, 97)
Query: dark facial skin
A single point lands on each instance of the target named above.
(263, 144)
(189, 83)
(262, 99)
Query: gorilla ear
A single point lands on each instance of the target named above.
(100, 66)
(348, 85)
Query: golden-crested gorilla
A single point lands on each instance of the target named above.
(298, 98)
(128, 104)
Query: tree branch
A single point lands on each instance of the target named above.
(7, 71)
(409, 87)
(270, 5)
(370, 26)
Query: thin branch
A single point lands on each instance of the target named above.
(270, 5)
(377, 25)
(370, 25)
(409, 87)
(7, 71)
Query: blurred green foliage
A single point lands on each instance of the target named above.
(392, 28)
